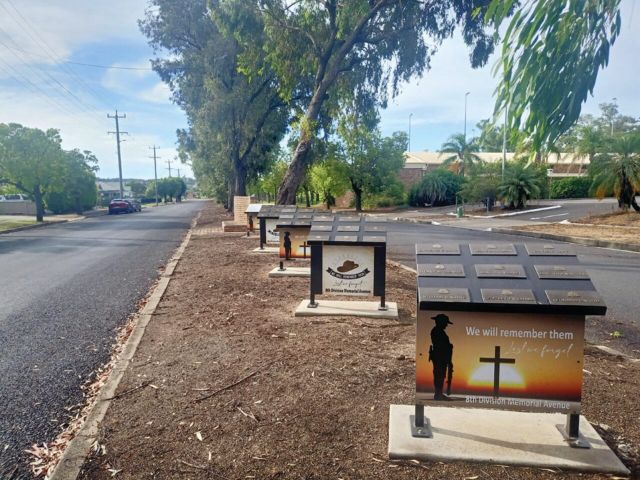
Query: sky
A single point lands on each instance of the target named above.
(42, 85)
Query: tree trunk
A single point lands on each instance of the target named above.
(77, 204)
(307, 198)
(37, 198)
(295, 172)
(240, 172)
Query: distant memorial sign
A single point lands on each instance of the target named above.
(293, 230)
(348, 257)
(507, 333)
(268, 218)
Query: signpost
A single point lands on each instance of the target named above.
(268, 218)
(348, 258)
(505, 324)
(293, 231)
(499, 359)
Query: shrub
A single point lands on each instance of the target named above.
(572, 187)
(439, 187)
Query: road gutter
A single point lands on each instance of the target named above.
(74, 456)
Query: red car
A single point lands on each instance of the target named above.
(118, 205)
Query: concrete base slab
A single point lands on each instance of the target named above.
(500, 437)
(351, 308)
(267, 250)
(290, 272)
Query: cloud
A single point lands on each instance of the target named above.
(159, 93)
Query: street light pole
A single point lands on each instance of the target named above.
(410, 115)
(465, 116)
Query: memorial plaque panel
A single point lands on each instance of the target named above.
(437, 249)
(508, 295)
(375, 228)
(561, 272)
(574, 297)
(374, 238)
(323, 218)
(492, 249)
(321, 228)
(351, 219)
(322, 237)
(441, 270)
(500, 271)
(444, 295)
(375, 219)
(348, 228)
(298, 240)
(346, 238)
(272, 234)
(539, 249)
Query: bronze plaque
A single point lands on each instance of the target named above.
(375, 228)
(507, 295)
(321, 228)
(346, 238)
(323, 218)
(492, 249)
(574, 297)
(375, 219)
(444, 295)
(440, 270)
(304, 215)
(500, 271)
(351, 219)
(561, 272)
(348, 228)
(541, 249)
(302, 223)
(286, 217)
(437, 249)
(374, 238)
(319, 237)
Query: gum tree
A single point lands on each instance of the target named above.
(337, 49)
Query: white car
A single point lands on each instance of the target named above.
(14, 197)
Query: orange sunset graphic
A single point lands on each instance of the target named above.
(506, 355)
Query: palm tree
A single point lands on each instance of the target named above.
(618, 171)
(463, 153)
(520, 184)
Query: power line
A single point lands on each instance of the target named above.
(48, 51)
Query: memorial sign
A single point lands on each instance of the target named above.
(501, 326)
(293, 231)
(268, 218)
(348, 257)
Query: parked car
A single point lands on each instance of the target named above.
(14, 197)
(117, 205)
(135, 205)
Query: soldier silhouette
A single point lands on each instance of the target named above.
(440, 353)
(287, 246)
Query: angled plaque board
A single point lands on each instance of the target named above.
(441, 270)
(437, 249)
(575, 297)
(550, 250)
(561, 272)
(492, 249)
(500, 271)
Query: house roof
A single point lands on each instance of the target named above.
(424, 159)
(112, 186)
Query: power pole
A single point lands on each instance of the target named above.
(178, 172)
(169, 168)
(117, 133)
(155, 171)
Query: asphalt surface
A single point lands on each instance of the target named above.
(64, 290)
(614, 273)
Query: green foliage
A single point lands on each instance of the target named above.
(269, 182)
(617, 172)
(330, 179)
(439, 187)
(482, 183)
(571, 187)
(462, 153)
(521, 183)
(371, 161)
(76, 189)
(551, 54)
(138, 187)
(168, 189)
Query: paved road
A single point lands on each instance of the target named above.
(615, 274)
(63, 291)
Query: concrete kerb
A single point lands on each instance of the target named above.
(37, 225)
(79, 448)
(589, 242)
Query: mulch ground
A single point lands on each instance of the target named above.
(233, 386)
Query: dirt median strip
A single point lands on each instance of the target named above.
(289, 397)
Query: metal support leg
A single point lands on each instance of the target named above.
(571, 432)
(281, 269)
(383, 307)
(312, 301)
(420, 426)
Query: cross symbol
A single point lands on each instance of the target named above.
(304, 246)
(496, 360)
